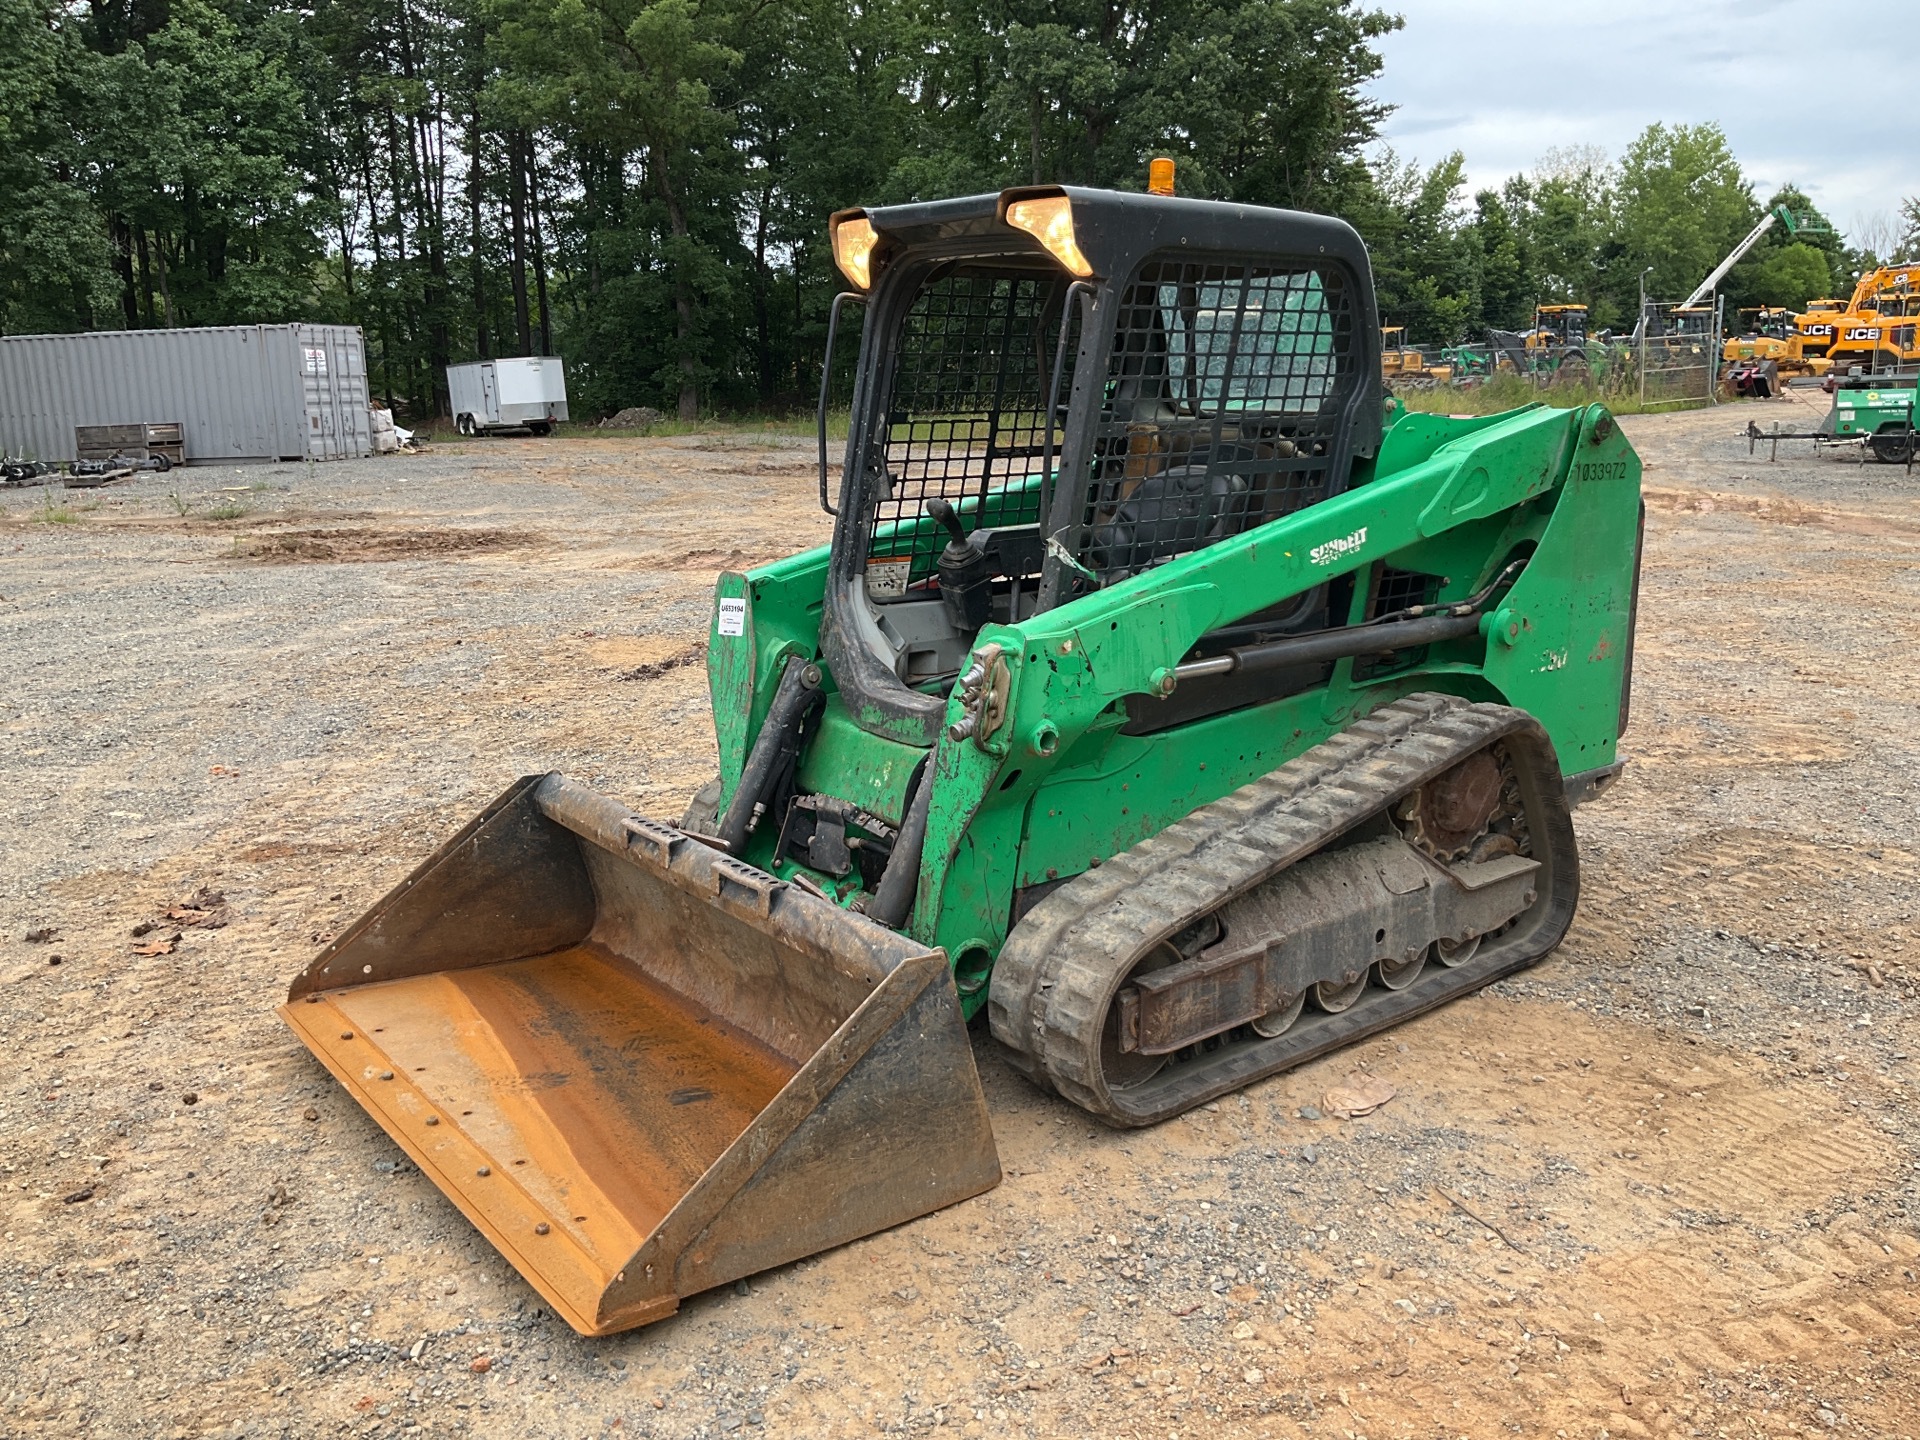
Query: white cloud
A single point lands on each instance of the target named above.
(1504, 81)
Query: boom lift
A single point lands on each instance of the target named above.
(1166, 696)
(1781, 215)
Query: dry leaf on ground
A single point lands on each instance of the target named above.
(205, 908)
(1361, 1094)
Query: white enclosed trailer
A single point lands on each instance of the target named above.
(527, 392)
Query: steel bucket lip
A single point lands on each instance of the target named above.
(699, 1241)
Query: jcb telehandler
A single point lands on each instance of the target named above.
(1165, 694)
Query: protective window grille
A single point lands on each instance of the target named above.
(1394, 591)
(1398, 590)
(965, 420)
(1224, 391)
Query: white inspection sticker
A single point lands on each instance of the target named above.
(733, 617)
(887, 579)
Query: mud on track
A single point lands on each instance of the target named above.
(1665, 1184)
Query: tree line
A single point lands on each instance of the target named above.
(642, 185)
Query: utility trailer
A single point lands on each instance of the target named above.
(490, 397)
(1874, 412)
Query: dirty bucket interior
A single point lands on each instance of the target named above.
(657, 1103)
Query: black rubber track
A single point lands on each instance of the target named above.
(1068, 957)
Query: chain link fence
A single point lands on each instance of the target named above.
(1673, 357)
(1676, 353)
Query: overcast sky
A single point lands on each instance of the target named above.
(1504, 80)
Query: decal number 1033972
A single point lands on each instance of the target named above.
(1600, 470)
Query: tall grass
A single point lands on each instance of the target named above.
(1509, 392)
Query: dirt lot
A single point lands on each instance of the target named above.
(1665, 1184)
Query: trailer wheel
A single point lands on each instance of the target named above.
(463, 423)
(1893, 446)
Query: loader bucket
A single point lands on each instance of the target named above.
(643, 1068)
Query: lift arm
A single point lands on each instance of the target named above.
(1705, 287)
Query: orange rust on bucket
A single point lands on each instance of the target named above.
(639, 1068)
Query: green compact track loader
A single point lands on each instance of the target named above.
(1165, 694)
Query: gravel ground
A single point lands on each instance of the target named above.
(1664, 1184)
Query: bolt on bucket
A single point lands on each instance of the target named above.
(641, 1067)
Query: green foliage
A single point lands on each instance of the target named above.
(1683, 205)
(144, 174)
(1425, 263)
(52, 514)
(642, 186)
(1257, 99)
(1791, 276)
(1507, 391)
(1812, 229)
(53, 258)
(1581, 230)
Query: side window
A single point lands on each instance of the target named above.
(1263, 346)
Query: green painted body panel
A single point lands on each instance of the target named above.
(782, 618)
(1059, 788)
(844, 760)
(1867, 412)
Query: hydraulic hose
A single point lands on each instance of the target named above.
(774, 749)
(900, 882)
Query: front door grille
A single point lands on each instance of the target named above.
(1225, 388)
(965, 418)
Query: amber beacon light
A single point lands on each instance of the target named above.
(1160, 176)
(1050, 221)
(853, 241)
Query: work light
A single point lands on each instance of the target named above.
(1050, 221)
(853, 242)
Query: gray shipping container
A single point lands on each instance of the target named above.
(240, 392)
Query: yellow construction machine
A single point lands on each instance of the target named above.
(1815, 326)
(1772, 338)
(1557, 345)
(1407, 366)
(1880, 329)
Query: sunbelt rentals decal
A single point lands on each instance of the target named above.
(1334, 549)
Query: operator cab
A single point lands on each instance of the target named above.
(1061, 389)
(1561, 324)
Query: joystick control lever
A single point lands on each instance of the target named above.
(966, 574)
